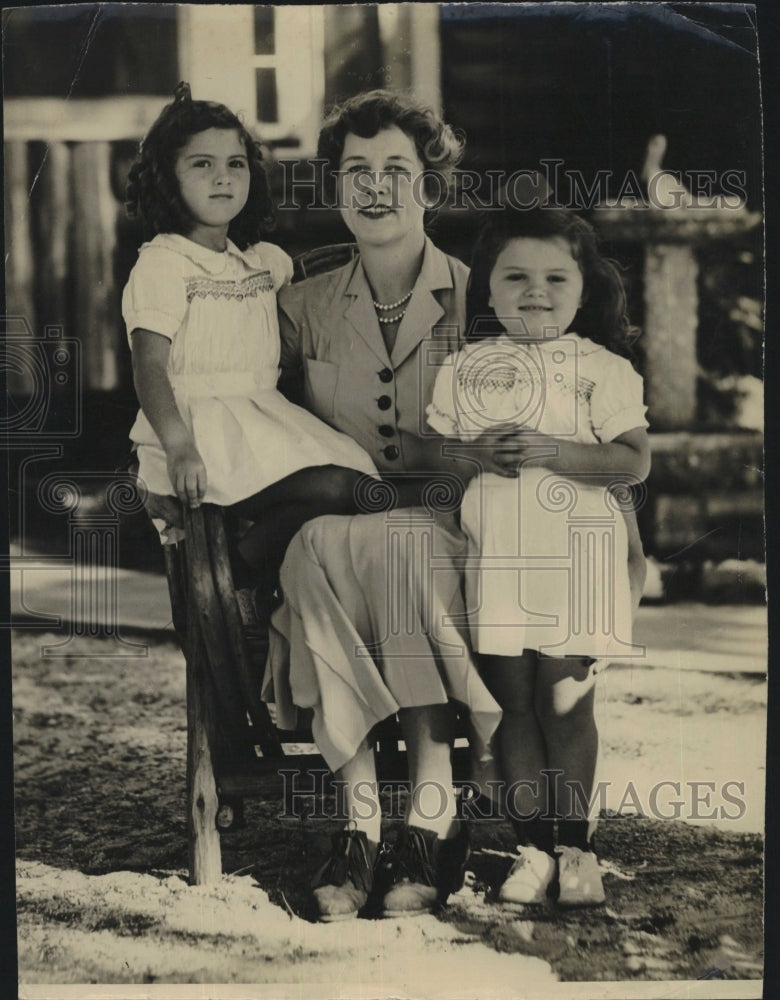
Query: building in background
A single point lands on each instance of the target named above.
(580, 87)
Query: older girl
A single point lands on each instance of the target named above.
(200, 309)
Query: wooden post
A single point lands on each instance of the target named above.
(205, 859)
(94, 235)
(19, 267)
(410, 43)
(52, 229)
(353, 51)
(671, 311)
(425, 38)
(395, 36)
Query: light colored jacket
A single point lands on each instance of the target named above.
(331, 336)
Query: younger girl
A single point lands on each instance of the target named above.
(548, 590)
(200, 309)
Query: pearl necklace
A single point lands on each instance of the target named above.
(392, 305)
(392, 319)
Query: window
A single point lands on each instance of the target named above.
(266, 62)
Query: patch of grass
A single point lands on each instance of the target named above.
(61, 910)
(58, 909)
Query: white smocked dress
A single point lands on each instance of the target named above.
(547, 567)
(219, 312)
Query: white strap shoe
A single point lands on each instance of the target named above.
(529, 877)
(579, 878)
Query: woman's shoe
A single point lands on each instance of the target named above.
(342, 885)
(529, 877)
(425, 870)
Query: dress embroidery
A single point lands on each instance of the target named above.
(496, 368)
(506, 379)
(245, 288)
(584, 389)
(495, 380)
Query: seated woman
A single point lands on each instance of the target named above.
(373, 621)
(354, 640)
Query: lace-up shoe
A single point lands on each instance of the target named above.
(341, 887)
(425, 870)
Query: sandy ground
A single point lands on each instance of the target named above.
(103, 896)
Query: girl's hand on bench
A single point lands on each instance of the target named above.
(187, 474)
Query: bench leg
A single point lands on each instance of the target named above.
(205, 860)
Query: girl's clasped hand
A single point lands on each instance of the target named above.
(505, 449)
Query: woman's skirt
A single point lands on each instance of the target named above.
(373, 620)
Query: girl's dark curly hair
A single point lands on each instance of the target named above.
(152, 189)
(602, 315)
(438, 147)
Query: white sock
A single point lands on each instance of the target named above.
(432, 807)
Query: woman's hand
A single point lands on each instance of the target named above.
(504, 449)
(524, 447)
(187, 473)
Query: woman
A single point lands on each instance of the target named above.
(373, 621)
(366, 340)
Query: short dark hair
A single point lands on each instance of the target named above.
(153, 193)
(602, 315)
(439, 148)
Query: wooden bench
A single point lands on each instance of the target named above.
(234, 750)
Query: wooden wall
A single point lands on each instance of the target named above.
(64, 265)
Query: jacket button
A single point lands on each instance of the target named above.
(386, 430)
(386, 375)
(384, 402)
(391, 452)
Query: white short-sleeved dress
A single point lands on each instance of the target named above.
(219, 312)
(547, 563)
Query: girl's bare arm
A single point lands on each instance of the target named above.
(637, 564)
(627, 455)
(185, 466)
